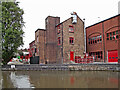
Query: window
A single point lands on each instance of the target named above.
(58, 29)
(117, 36)
(116, 32)
(89, 40)
(100, 38)
(110, 34)
(71, 40)
(71, 28)
(113, 35)
(94, 40)
(97, 55)
(59, 42)
(110, 38)
(112, 57)
(107, 38)
(107, 34)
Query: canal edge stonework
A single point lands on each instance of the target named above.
(70, 67)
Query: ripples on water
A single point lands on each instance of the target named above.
(59, 79)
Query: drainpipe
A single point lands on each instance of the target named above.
(84, 35)
(119, 49)
(62, 46)
(103, 40)
(119, 39)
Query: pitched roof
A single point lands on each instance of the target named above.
(103, 21)
(40, 29)
(68, 19)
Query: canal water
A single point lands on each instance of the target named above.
(59, 79)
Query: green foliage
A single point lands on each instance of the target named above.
(0, 33)
(20, 52)
(12, 33)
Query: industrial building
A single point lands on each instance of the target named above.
(65, 42)
(32, 48)
(103, 39)
(60, 42)
(70, 35)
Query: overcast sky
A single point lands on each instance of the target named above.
(37, 10)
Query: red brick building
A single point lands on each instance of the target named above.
(32, 48)
(60, 42)
(102, 39)
(70, 38)
(40, 41)
(51, 39)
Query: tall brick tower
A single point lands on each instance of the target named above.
(51, 40)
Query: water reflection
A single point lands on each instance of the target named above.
(16, 80)
(20, 81)
(1, 80)
(60, 79)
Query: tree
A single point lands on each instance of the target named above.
(12, 33)
(0, 33)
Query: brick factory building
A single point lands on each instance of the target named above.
(40, 41)
(60, 42)
(103, 40)
(32, 48)
(70, 37)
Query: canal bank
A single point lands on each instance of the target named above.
(61, 67)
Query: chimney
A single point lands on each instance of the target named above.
(74, 16)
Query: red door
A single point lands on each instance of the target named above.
(71, 56)
(113, 56)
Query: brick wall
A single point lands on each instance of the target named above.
(102, 28)
(119, 39)
(51, 41)
(32, 48)
(78, 35)
(40, 39)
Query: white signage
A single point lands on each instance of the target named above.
(12, 66)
